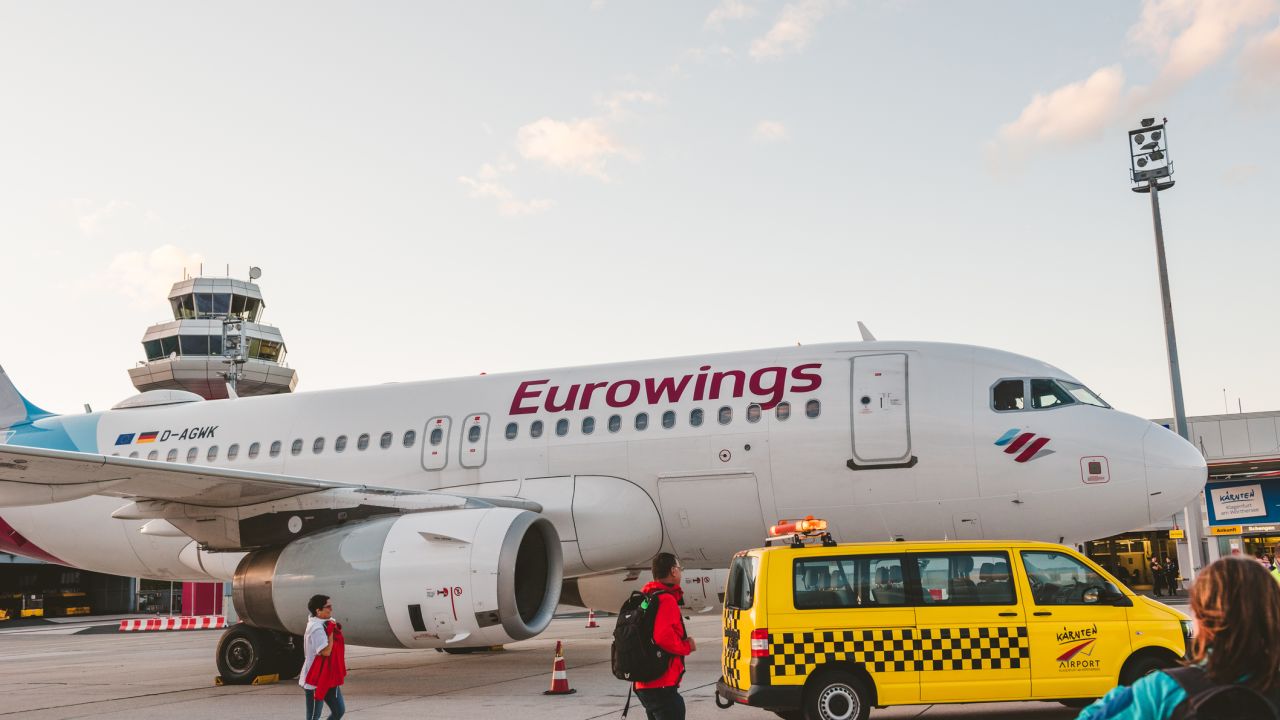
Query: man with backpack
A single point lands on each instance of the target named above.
(650, 642)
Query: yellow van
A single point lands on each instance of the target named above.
(823, 631)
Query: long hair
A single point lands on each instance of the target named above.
(1237, 608)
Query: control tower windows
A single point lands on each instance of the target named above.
(172, 456)
(253, 450)
(410, 437)
(695, 417)
(782, 411)
(813, 409)
(183, 307)
(296, 448)
(233, 451)
(385, 441)
(246, 308)
(535, 429)
(642, 421)
(615, 423)
(512, 430)
(340, 445)
(317, 446)
(266, 350)
(275, 449)
(362, 443)
(161, 348)
(562, 427)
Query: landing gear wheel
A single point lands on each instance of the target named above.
(837, 696)
(289, 655)
(245, 652)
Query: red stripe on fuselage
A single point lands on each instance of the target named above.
(1032, 449)
(1019, 442)
(12, 541)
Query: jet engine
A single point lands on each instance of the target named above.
(442, 579)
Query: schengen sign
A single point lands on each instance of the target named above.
(1231, 503)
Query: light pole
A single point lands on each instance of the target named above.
(1151, 171)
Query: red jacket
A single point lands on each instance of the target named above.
(329, 671)
(669, 634)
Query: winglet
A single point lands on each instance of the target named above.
(866, 334)
(15, 409)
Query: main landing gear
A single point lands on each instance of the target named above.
(246, 652)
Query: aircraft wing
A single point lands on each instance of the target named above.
(242, 504)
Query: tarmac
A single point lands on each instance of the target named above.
(85, 668)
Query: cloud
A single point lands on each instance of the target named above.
(1260, 68)
(618, 102)
(145, 277)
(729, 10)
(770, 131)
(792, 30)
(487, 184)
(579, 146)
(1185, 37)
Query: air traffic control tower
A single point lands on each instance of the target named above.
(215, 332)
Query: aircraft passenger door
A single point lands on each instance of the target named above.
(881, 418)
(435, 448)
(475, 440)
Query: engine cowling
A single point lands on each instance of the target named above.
(450, 578)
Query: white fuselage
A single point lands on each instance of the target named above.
(902, 444)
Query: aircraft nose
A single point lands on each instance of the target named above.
(1176, 472)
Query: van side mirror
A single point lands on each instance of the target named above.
(1113, 596)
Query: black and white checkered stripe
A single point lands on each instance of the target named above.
(901, 649)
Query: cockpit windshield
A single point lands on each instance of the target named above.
(1083, 394)
(1043, 393)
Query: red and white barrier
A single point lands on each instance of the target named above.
(196, 622)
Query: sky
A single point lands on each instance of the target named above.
(442, 189)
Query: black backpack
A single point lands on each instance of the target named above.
(634, 655)
(1207, 700)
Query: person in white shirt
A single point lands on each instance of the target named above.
(315, 641)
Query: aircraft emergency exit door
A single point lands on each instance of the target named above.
(881, 413)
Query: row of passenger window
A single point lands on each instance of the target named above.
(782, 411)
(408, 439)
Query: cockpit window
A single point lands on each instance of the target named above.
(1008, 395)
(1083, 394)
(1048, 393)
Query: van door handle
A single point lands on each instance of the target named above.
(1042, 613)
(1008, 614)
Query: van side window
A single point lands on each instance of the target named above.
(965, 578)
(1008, 395)
(1059, 579)
(844, 582)
(741, 592)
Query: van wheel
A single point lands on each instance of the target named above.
(837, 696)
(1140, 666)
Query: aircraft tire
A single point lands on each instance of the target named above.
(246, 652)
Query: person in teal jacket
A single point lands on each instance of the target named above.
(1236, 606)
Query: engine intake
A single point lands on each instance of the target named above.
(456, 578)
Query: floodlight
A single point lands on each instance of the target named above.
(1142, 162)
(1155, 135)
(1148, 122)
(1137, 139)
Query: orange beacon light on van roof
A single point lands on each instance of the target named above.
(797, 531)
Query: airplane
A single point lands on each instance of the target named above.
(448, 513)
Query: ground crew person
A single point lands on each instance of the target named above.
(661, 697)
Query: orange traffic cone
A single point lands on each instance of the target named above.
(559, 676)
(591, 619)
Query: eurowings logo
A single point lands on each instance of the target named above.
(1025, 444)
(1078, 649)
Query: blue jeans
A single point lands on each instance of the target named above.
(662, 703)
(332, 698)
